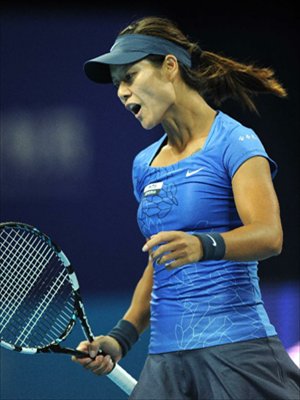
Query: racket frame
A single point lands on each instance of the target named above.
(79, 311)
(118, 375)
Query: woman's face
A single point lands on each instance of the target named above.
(145, 90)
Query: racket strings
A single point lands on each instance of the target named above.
(41, 309)
(37, 304)
(46, 329)
(22, 266)
(10, 250)
(19, 250)
(12, 303)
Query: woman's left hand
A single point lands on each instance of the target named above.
(175, 248)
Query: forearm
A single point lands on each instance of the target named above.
(255, 241)
(139, 311)
(250, 242)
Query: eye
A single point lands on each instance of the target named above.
(129, 77)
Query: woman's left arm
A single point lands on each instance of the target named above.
(258, 238)
(261, 235)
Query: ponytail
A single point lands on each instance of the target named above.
(215, 77)
(220, 78)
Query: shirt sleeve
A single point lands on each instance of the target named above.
(243, 144)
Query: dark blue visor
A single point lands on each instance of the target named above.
(131, 48)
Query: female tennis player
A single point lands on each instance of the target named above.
(208, 211)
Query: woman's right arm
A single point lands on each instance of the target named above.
(139, 311)
(138, 315)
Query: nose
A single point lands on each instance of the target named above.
(123, 92)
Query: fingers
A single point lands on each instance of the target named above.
(97, 363)
(167, 254)
(84, 347)
(100, 365)
(165, 247)
(173, 248)
(159, 239)
(93, 348)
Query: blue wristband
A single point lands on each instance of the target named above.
(213, 246)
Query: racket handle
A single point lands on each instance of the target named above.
(123, 379)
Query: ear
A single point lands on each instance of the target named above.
(171, 67)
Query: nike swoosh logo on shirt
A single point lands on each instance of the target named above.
(190, 173)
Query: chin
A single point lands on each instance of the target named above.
(149, 125)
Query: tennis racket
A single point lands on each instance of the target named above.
(40, 299)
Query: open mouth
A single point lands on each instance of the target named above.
(134, 108)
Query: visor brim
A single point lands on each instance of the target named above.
(97, 69)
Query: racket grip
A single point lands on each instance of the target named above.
(123, 379)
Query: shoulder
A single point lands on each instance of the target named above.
(229, 129)
(239, 143)
(231, 134)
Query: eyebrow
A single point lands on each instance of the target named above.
(118, 72)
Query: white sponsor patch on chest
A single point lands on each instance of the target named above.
(153, 189)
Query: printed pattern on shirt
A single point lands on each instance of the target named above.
(211, 302)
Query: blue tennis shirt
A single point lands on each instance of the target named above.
(206, 303)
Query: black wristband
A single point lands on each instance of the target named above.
(213, 245)
(126, 334)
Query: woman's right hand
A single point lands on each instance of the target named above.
(99, 364)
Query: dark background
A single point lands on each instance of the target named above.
(67, 144)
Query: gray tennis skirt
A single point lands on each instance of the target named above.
(257, 369)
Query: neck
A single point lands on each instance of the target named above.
(189, 120)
